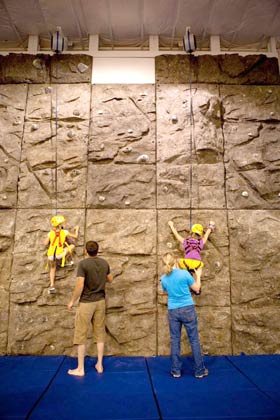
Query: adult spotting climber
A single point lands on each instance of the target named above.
(181, 311)
(92, 274)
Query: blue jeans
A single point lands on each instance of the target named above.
(184, 316)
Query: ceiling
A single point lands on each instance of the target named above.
(128, 23)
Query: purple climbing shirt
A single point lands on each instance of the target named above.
(192, 248)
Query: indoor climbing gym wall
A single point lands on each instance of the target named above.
(120, 161)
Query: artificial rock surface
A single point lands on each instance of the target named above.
(121, 161)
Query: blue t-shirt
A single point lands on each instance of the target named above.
(177, 284)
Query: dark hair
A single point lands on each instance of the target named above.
(92, 248)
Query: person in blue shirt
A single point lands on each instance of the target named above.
(181, 311)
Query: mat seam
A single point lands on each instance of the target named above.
(153, 390)
(45, 390)
(252, 382)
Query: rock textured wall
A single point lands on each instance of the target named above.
(122, 160)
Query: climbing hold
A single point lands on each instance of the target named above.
(245, 194)
(250, 135)
(130, 130)
(100, 112)
(143, 158)
(101, 198)
(127, 149)
(82, 67)
(217, 265)
(102, 147)
(165, 188)
(272, 113)
(75, 172)
(76, 112)
(52, 347)
(48, 89)
(270, 91)
(70, 134)
(169, 245)
(143, 94)
(127, 203)
(5, 197)
(6, 160)
(16, 122)
(174, 118)
(34, 127)
(38, 64)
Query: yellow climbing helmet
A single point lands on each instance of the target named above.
(57, 220)
(197, 229)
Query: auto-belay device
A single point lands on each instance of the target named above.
(58, 41)
(189, 41)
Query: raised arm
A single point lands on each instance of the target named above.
(175, 233)
(210, 229)
(75, 234)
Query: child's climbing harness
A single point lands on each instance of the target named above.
(57, 242)
(192, 244)
(57, 237)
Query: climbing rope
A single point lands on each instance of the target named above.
(56, 126)
(191, 135)
(189, 43)
(55, 110)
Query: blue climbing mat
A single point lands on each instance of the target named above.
(138, 388)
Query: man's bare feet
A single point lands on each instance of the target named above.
(76, 372)
(99, 368)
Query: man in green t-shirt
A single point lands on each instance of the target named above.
(92, 274)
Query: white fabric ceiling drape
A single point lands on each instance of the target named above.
(130, 22)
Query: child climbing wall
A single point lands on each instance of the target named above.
(58, 246)
(193, 246)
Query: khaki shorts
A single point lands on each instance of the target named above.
(90, 313)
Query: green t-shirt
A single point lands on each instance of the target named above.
(94, 270)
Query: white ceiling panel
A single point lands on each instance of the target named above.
(130, 22)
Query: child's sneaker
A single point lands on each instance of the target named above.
(51, 291)
(69, 264)
(201, 375)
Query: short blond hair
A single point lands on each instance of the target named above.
(168, 261)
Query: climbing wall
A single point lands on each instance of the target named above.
(121, 161)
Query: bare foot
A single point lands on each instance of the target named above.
(99, 368)
(76, 372)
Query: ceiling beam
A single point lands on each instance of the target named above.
(33, 44)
